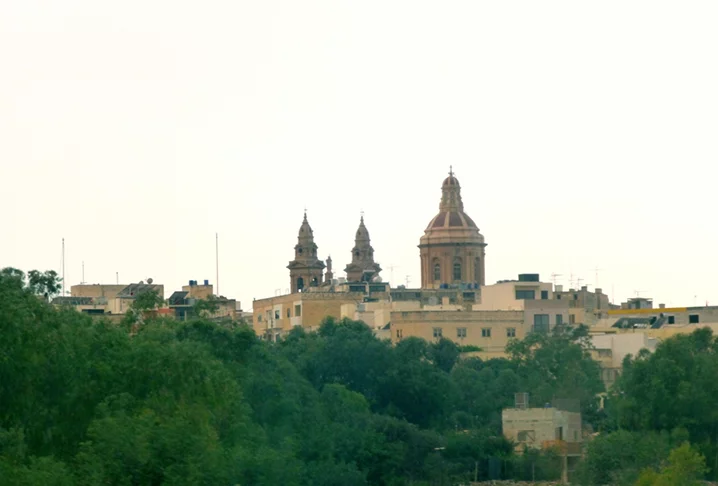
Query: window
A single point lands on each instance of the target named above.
(486, 332)
(559, 319)
(457, 269)
(289, 313)
(300, 283)
(461, 332)
(544, 295)
(437, 272)
(671, 319)
(510, 332)
(477, 270)
(541, 323)
(525, 294)
(558, 296)
(276, 314)
(399, 334)
(693, 319)
(259, 318)
(315, 282)
(525, 435)
(437, 332)
(572, 319)
(298, 311)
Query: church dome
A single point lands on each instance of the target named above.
(452, 249)
(451, 219)
(452, 223)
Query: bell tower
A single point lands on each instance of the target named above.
(362, 268)
(306, 269)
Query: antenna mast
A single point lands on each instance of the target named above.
(216, 253)
(63, 267)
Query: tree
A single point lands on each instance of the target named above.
(558, 365)
(206, 307)
(45, 283)
(686, 467)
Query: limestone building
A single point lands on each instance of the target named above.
(306, 270)
(452, 249)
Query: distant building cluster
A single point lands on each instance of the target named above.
(453, 302)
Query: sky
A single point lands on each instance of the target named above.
(584, 136)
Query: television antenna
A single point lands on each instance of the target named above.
(553, 277)
(596, 270)
(391, 271)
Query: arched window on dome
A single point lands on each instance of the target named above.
(457, 269)
(437, 271)
(477, 270)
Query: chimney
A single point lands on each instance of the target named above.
(598, 291)
(584, 288)
(661, 306)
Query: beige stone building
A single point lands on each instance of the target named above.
(97, 299)
(543, 428)
(182, 303)
(610, 349)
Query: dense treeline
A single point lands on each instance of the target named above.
(155, 401)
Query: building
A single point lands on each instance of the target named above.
(452, 250)
(609, 350)
(543, 428)
(489, 330)
(274, 317)
(586, 307)
(555, 426)
(183, 302)
(97, 299)
(509, 309)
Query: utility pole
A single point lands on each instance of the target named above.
(391, 272)
(596, 270)
(63, 267)
(216, 256)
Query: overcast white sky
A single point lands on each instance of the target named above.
(584, 134)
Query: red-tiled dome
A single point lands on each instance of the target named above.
(451, 219)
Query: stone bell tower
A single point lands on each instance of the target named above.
(362, 268)
(306, 269)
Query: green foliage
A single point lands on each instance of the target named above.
(672, 388)
(469, 348)
(206, 307)
(686, 467)
(148, 300)
(46, 283)
(86, 402)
